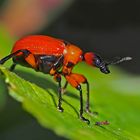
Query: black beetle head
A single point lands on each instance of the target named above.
(103, 65)
(99, 63)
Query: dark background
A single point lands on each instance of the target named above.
(107, 27)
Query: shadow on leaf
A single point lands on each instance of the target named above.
(47, 84)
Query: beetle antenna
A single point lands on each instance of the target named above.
(118, 60)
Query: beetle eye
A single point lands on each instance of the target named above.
(97, 61)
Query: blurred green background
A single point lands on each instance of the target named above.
(107, 27)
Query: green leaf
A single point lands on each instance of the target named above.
(2, 94)
(115, 97)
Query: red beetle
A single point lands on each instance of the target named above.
(57, 58)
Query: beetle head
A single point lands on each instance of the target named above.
(97, 61)
(101, 64)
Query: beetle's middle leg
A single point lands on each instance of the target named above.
(57, 77)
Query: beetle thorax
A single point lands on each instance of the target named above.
(72, 54)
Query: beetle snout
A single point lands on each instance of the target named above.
(104, 69)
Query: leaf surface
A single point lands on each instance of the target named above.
(115, 97)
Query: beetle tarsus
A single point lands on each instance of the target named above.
(84, 119)
(60, 109)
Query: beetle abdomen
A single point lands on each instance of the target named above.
(39, 44)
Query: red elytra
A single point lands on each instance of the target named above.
(39, 44)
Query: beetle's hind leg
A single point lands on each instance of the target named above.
(12, 68)
(3, 60)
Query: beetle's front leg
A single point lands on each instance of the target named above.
(75, 80)
(82, 79)
(57, 77)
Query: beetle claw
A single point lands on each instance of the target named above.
(85, 120)
(60, 109)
